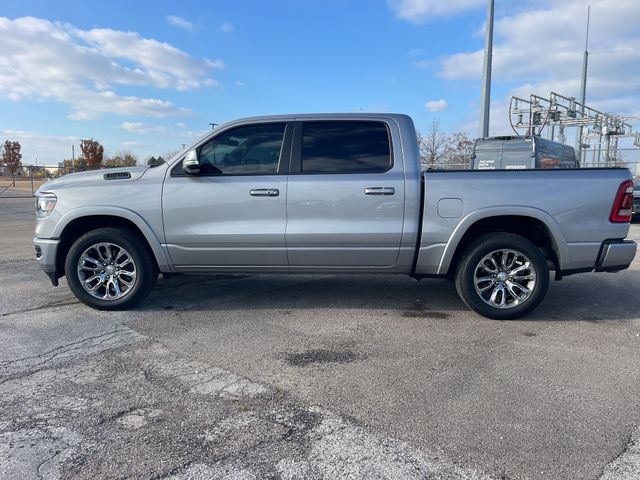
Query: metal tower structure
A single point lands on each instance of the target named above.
(557, 112)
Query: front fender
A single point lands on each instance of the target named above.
(146, 230)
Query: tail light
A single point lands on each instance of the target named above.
(623, 204)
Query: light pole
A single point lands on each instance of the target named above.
(583, 86)
(485, 102)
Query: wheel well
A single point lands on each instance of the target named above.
(531, 228)
(82, 225)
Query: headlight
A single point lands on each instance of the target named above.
(45, 203)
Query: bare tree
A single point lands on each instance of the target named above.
(123, 158)
(169, 155)
(12, 158)
(432, 146)
(618, 160)
(458, 151)
(92, 152)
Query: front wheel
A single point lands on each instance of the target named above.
(110, 269)
(502, 276)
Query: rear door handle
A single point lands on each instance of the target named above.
(379, 191)
(264, 192)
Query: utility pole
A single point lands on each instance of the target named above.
(485, 102)
(73, 158)
(213, 125)
(583, 87)
(31, 172)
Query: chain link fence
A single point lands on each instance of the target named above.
(25, 180)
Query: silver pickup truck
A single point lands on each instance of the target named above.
(331, 194)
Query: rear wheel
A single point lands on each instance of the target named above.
(110, 269)
(502, 276)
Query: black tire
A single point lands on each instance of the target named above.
(493, 243)
(143, 263)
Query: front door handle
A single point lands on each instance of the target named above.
(264, 192)
(379, 191)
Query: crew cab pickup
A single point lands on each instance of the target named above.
(331, 193)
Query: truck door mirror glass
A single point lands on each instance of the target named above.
(190, 164)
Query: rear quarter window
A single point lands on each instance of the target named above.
(346, 147)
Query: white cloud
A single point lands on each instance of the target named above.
(161, 64)
(47, 149)
(42, 60)
(51, 149)
(178, 130)
(88, 105)
(180, 22)
(142, 128)
(227, 27)
(436, 105)
(421, 10)
(539, 50)
(240, 83)
(423, 64)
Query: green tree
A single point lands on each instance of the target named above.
(123, 158)
(12, 158)
(79, 165)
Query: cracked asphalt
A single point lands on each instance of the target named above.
(257, 376)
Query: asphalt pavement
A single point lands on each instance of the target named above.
(297, 376)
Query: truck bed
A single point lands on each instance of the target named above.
(573, 204)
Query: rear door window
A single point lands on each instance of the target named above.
(345, 147)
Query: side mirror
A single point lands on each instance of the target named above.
(190, 164)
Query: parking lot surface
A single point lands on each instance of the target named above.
(295, 376)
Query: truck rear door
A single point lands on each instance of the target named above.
(345, 194)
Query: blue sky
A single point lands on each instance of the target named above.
(151, 78)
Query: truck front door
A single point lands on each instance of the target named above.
(232, 213)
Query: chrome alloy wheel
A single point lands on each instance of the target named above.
(106, 271)
(504, 278)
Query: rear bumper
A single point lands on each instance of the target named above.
(616, 255)
(46, 250)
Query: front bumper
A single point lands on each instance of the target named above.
(46, 250)
(616, 255)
